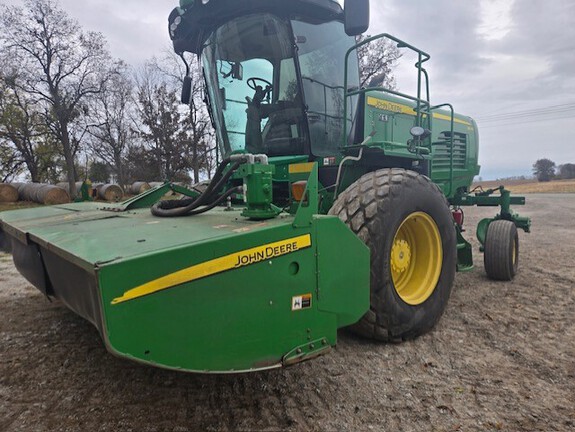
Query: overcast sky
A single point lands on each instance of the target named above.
(510, 64)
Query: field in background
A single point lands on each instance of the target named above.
(531, 186)
(515, 186)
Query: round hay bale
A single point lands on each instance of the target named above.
(110, 192)
(43, 194)
(66, 186)
(26, 191)
(8, 193)
(50, 195)
(139, 187)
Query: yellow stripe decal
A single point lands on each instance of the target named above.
(301, 168)
(218, 265)
(398, 108)
(448, 118)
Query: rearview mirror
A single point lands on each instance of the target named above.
(187, 90)
(356, 17)
(237, 71)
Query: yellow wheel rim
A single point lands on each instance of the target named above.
(416, 258)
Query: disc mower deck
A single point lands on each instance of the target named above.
(213, 293)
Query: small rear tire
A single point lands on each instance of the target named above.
(501, 254)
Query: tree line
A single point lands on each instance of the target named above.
(546, 170)
(65, 100)
(69, 110)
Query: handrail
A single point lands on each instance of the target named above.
(420, 103)
(325, 89)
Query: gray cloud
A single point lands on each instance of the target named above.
(135, 30)
(440, 27)
(531, 66)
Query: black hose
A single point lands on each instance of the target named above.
(217, 176)
(211, 191)
(221, 199)
(187, 207)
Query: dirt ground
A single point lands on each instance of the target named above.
(501, 358)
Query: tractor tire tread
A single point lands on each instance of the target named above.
(360, 207)
(497, 257)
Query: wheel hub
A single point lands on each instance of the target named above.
(416, 258)
(400, 256)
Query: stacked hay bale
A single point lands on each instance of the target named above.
(139, 187)
(109, 192)
(66, 186)
(8, 193)
(43, 193)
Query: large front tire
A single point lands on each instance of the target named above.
(405, 221)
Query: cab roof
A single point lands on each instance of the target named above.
(192, 24)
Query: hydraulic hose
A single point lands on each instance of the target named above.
(221, 199)
(190, 207)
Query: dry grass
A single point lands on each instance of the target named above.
(531, 186)
(17, 205)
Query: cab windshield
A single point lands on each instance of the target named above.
(321, 52)
(260, 103)
(253, 86)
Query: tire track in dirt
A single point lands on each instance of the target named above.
(501, 358)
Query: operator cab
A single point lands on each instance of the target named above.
(275, 78)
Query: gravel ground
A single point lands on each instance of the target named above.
(501, 358)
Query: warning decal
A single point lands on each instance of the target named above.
(301, 302)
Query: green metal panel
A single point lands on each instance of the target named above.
(233, 318)
(236, 320)
(392, 118)
(335, 284)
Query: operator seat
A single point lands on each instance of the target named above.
(282, 133)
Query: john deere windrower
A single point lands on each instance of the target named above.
(333, 205)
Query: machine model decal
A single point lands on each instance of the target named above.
(229, 262)
(406, 109)
(301, 302)
(390, 106)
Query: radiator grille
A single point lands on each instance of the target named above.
(442, 151)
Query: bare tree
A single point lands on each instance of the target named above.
(201, 133)
(112, 114)
(25, 142)
(377, 61)
(19, 131)
(10, 163)
(59, 64)
(163, 126)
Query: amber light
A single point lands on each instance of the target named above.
(298, 189)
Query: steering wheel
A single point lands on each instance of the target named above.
(251, 82)
(261, 92)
